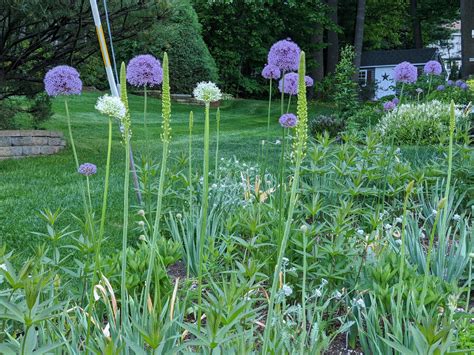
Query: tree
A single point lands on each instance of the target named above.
(416, 25)
(333, 39)
(359, 35)
(467, 42)
(34, 36)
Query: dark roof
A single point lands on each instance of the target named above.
(393, 57)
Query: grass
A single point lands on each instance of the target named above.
(33, 184)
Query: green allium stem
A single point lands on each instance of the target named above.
(73, 146)
(269, 109)
(145, 127)
(303, 293)
(302, 112)
(408, 192)
(190, 151)
(126, 187)
(165, 137)
(282, 100)
(218, 123)
(204, 208)
(289, 104)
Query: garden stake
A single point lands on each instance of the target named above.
(113, 85)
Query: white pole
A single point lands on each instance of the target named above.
(113, 85)
(103, 48)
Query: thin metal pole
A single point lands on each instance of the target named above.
(112, 83)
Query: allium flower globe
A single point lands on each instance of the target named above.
(284, 54)
(389, 105)
(433, 67)
(291, 83)
(396, 100)
(207, 92)
(288, 120)
(144, 70)
(405, 72)
(271, 72)
(440, 88)
(450, 83)
(62, 80)
(111, 106)
(87, 169)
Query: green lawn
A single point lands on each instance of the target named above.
(34, 184)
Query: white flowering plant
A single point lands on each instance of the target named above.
(207, 92)
(417, 123)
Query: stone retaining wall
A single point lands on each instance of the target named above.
(18, 144)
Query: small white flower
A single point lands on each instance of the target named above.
(388, 226)
(434, 212)
(304, 228)
(141, 224)
(3, 267)
(277, 142)
(318, 292)
(214, 186)
(287, 290)
(179, 215)
(399, 220)
(207, 92)
(111, 106)
(285, 261)
(324, 282)
(142, 238)
(337, 295)
(456, 217)
(141, 213)
(360, 303)
(360, 232)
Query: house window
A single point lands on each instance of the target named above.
(363, 77)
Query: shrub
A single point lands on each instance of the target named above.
(331, 124)
(417, 123)
(345, 88)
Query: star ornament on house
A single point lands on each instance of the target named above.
(385, 76)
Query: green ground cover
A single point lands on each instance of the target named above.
(34, 184)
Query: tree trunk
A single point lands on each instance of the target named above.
(416, 24)
(333, 40)
(318, 69)
(359, 36)
(467, 40)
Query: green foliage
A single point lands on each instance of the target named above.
(25, 112)
(180, 36)
(345, 88)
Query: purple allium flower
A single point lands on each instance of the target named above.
(284, 54)
(291, 84)
(389, 105)
(464, 86)
(271, 72)
(62, 80)
(450, 83)
(405, 72)
(395, 100)
(87, 169)
(144, 70)
(419, 90)
(288, 120)
(440, 88)
(433, 67)
(459, 83)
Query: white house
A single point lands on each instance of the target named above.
(377, 66)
